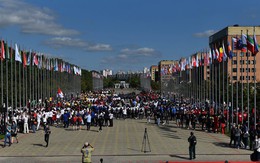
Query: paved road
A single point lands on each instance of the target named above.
(122, 143)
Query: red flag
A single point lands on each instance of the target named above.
(24, 59)
(35, 60)
(2, 54)
(60, 93)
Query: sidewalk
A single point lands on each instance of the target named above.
(122, 143)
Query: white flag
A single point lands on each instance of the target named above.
(17, 54)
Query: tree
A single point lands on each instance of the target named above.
(86, 81)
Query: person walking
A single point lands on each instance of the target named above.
(14, 131)
(86, 151)
(47, 131)
(232, 135)
(88, 121)
(7, 134)
(192, 144)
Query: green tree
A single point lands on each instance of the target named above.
(86, 81)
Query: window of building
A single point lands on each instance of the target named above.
(241, 54)
(234, 54)
(242, 70)
(248, 70)
(242, 62)
(253, 62)
(248, 77)
(234, 77)
(234, 62)
(234, 69)
(242, 78)
(253, 77)
(252, 69)
(248, 54)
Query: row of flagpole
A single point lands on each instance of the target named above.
(199, 85)
(38, 79)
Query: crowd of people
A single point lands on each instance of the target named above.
(100, 109)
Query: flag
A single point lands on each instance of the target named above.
(194, 61)
(35, 60)
(60, 93)
(224, 52)
(244, 43)
(7, 54)
(230, 53)
(17, 54)
(24, 59)
(250, 44)
(197, 61)
(220, 56)
(40, 61)
(56, 67)
(213, 54)
(216, 53)
(256, 50)
(235, 43)
(210, 56)
(29, 58)
(2, 54)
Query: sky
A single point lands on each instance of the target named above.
(121, 35)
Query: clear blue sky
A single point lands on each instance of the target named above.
(120, 34)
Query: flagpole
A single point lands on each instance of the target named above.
(223, 81)
(210, 78)
(254, 88)
(11, 57)
(237, 92)
(227, 103)
(15, 82)
(219, 88)
(254, 93)
(33, 80)
(19, 80)
(213, 82)
(232, 86)
(7, 88)
(216, 87)
(242, 81)
(2, 85)
(247, 81)
(23, 83)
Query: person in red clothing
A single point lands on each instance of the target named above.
(216, 123)
(79, 122)
(73, 122)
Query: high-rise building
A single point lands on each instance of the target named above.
(167, 78)
(153, 71)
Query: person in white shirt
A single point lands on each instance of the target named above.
(39, 116)
(25, 124)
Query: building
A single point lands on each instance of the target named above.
(153, 71)
(237, 66)
(167, 77)
(146, 70)
(106, 72)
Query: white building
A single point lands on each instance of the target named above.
(106, 72)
